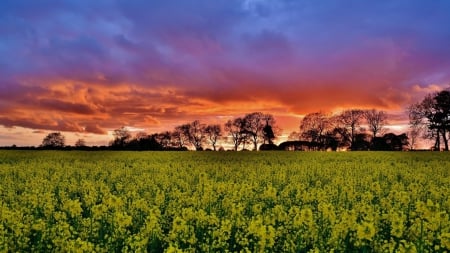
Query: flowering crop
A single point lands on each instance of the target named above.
(224, 202)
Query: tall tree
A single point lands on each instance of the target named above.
(254, 124)
(441, 117)
(197, 134)
(434, 111)
(53, 140)
(180, 136)
(121, 137)
(268, 133)
(416, 124)
(164, 138)
(376, 121)
(213, 133)
(235, 130)
(314, 126)
(427, 111)
(351, 120)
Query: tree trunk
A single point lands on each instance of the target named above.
(437, 144)
(444, 136)
(353, 139)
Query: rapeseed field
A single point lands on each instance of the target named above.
(54, 201)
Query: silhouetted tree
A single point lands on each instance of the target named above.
(351, 120)
(246, 139)
(376, 121)
(180, 136)
(362, 142)
(331, 141)
(121, 137)
(338, 132)
(441, 115)
(235, 130)
(80, 143)
(313, 127)
(197, 134)
(379, 144)
(396, 142)
(254, 124)
(390, 142)
(213, 133)
(149, 142)
(140, 135)
(268, 134)
(434, 112)
(416, 124)
(427, 111)
(164, 138)
(53, 140)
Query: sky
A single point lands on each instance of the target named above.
(87, 67)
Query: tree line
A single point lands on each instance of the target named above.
(241, 132)
(317, 131)
(352, 129)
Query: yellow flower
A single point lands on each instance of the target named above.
(307, 215)
(122, 219)
(365, 231)
(445, 240)
(73, 208)
(407, 247)
(173, 249)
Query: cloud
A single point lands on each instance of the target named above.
(55, 104)
(95, 129)
(94, 66)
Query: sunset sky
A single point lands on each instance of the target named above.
(86, 67)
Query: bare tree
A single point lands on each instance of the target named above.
(416, 124)
(337, 135)
(413, 135)
(254, 124)
(351, 120)
(53, 140)
(376, 121)
(234, 128)
(180, 136)
(197, 134)
(434, 110)
(121, 137)
(313, 127)
(164, 138)
(213, 133)
(427, 112)
(441, 115)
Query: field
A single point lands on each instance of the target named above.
(224, 202)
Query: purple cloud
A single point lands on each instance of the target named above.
(92, 66)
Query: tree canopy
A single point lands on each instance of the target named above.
(53, 140)
(431, 116)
